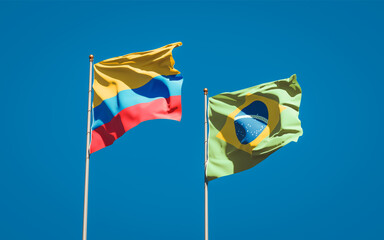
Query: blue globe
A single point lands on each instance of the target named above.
(251, 121)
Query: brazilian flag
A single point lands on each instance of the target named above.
(248, 125)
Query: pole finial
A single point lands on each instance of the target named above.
(91, 58)
(205, 91)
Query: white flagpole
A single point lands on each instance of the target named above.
(85, 215)
(205, 164)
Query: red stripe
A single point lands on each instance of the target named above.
(163, 108)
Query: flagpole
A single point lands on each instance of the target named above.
(205, 165)
(85, 214)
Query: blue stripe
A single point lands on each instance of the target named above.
(158, 87)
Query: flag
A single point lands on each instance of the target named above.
(248, 125)
(131, 89)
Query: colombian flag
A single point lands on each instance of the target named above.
(248, 125)
(131, 89)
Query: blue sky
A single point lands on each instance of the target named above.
(149, 183)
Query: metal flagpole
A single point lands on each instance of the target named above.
(85, 215)
(205, 164)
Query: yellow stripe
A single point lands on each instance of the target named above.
(131, 71)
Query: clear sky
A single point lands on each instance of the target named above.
(149, 183)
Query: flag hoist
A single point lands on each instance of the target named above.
(247, 126)
(128, 90)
